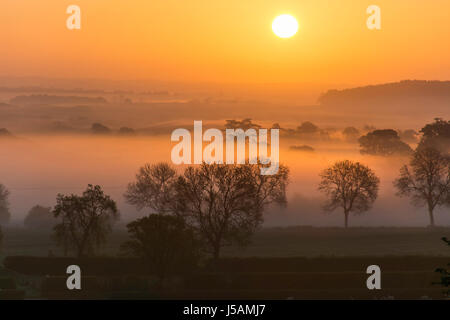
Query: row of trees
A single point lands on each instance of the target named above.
(219, 205)
(353, 187)
(223, 204)
(211, 206)
(389, 142)
(38, 217)
(215, 205)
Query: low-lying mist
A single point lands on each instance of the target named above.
(36, 168)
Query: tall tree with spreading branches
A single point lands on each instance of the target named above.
(350, 186)
(426, 180)
(225, 203)
(153, 188)
(85, 220)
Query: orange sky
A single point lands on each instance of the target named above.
(226, 41)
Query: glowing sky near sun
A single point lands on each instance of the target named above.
(226, 41)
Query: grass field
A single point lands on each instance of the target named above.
(276, 242)
(313, 242)
(293, 262)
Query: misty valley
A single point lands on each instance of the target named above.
(347, 212)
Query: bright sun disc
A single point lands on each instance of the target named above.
(285, 26)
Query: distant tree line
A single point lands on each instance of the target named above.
(372, 141)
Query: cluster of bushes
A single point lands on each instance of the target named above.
(100, 129)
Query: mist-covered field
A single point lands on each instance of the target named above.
(36, 168)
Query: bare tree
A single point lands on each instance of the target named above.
(426, 181)
(350, 186)
(153, 189)
(225, 202)
(5, 215)
(85, 220)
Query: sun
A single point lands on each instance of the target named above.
(285, 26)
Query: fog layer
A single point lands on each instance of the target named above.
(36, 168)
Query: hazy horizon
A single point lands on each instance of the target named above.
(160, 65)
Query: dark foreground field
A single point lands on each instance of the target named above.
(276, 242)
(281, 263)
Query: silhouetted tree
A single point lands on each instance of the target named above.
(308, 128)
(350, 186)
(436, 135)
(85, 220)
(303, 148)
(427, 180)
(98, 128)
(245, 124)
(232, 124)
(383, 143)
(154, 188)
(165, 243)
(351, 134)
(276, 126)
(225, 202)
(5, 215)
(126, 131)
(40, 217)
(5, 133)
